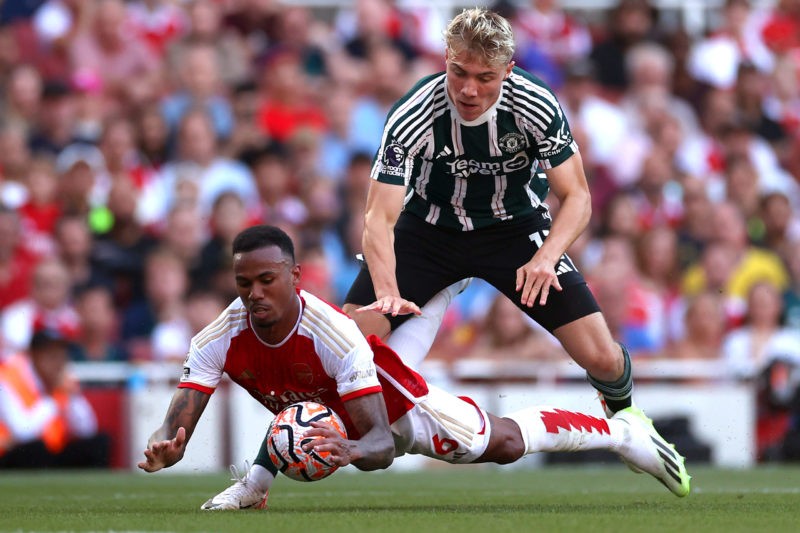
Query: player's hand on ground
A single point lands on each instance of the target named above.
(327, 439)
(164, 453)
(392, 305)
(535, 279)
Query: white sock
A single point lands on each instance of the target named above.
(261, 477)
(547, 429)
(412, 340)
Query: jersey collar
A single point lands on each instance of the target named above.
(289, 335)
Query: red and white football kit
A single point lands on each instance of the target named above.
(326, 359)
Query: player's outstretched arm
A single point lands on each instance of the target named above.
(537, 277)
(167, 444)
(373, 451)
(384, 203)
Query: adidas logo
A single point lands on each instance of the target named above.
(670, 458)
(444, 153)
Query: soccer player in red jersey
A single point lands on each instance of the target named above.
(284, 345)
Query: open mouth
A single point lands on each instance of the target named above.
(259, 311)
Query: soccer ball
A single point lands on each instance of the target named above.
(285, 440)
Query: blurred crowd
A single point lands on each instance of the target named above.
(137, 138)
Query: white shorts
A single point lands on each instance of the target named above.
(443, 426)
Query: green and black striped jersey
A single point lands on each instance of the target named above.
(468, 175)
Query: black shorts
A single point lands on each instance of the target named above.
(430, 258)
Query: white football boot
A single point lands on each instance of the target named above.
(644, 450)
(239, 496)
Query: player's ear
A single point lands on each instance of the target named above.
(295, 273)
(508, 69)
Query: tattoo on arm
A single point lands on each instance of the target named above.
(184, 411)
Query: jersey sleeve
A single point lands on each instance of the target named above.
(203, 367)
(404, 133)
(347, 358)
(393, 164)
(557, 145)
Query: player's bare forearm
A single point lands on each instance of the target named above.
(384, 203)
(568, 182)
(536, 277)
(184, 411)
(375, 449)
(167, 444)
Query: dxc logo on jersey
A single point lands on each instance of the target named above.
(464, 168)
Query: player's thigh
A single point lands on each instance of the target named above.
(499, 268)
(445, 427)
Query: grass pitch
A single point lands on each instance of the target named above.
(462, 499)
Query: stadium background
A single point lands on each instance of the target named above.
(137, 137)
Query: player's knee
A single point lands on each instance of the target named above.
(506, 444)
(607, 364)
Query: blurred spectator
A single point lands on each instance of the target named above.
(751, 89)
(740, 265)
(297, 31)
(657, 192)
(184, 236)
(507, 334)
(636, 319)
(695, 228)
(604, 124)
(98, 336)
(122, 159)
(199, 86)
(386, 80)
(49, 305)
(228, 218)
(649, 94)
(763, 338)
(369, 22)
(630, 23)
(15, 156)
(153, 136)
(156, 22)
(55, 125)
(715, 60)
(781, 223)
(703, 325)
(171, 337)
(74, 242)
(79, 166)
(205, 20)
(246, 135)
(110, 49)
(255, 21)
(16, 261)
(279, 205)
(56, 22)
(791, 296)
(45, 421)
(118, 253)
(42, 209)
(547, 38)
(166, 285)
(741, 189)
(198, 175)
(657, 262)
(23, 97)
(287, 101)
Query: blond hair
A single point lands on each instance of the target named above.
(481, 32)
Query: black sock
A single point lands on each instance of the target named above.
(262, 459)
(617, 394)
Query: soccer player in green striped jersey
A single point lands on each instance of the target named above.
(466, 161)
